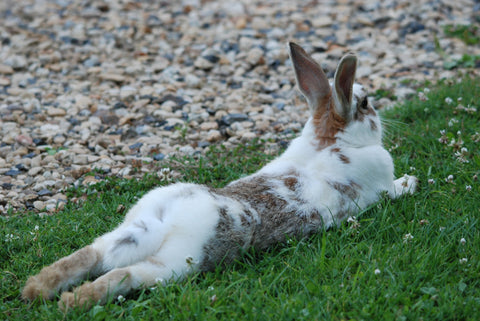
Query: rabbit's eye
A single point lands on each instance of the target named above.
(363, 104)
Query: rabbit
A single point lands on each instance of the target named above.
(333, 170)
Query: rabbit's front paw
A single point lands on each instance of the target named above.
(405, 184)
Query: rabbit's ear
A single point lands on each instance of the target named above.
(343, 82)
(311, 79)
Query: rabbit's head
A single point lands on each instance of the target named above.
(341, 112)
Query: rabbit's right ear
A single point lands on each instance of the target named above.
(311, 79)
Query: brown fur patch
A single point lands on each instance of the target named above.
(268, 217)
(291, 182)
(373, 125)
(276, 219)
(93, 292)
(327, 122)
(361, 113)
(342, 157)
(350, 189)
(53, 277)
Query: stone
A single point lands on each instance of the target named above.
(112, 77)
(16, 62)
(6, 69)
(56, 112)
(214, 136)
(208, 126)
(193, 81)
(127, 92)
(255, 56)
(4, 81)
(204, 64)
(39, 205)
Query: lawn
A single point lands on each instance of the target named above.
(413, 258)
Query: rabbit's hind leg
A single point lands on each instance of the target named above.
(180, 251)
(119, 281)
(61, 274)
(126, 245)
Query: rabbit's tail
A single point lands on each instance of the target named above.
(130, 243)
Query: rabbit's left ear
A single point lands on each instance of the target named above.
(343, 82)
(311, 79)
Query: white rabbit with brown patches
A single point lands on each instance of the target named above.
(336, 168)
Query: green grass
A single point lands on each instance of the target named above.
(466, 61)
(469, 34)
(384, 93)
(373, 272)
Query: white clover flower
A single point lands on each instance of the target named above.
(351, 219)
(463, 260)
(10, 237)
(377, 271)
(213, 298)
(422, 96)
(461, 155)
(36, 228)
(407, 237)
(463, 241)
(452, 122)
(468, 188)
(443, 139)
(393, 148)
(424, 222)
(449, 179)
(353, 222)
(120, 298)
(448, 100)
(431, 181)
(461, 158)
(471, 110)
(165, 174)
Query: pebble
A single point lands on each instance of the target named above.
(214, 136)
(56, 112)
(4, 81)
(6, 69)
(255, 56)
(87, 90)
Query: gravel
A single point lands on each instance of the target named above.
(120, 86)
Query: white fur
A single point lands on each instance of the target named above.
(178, 225)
